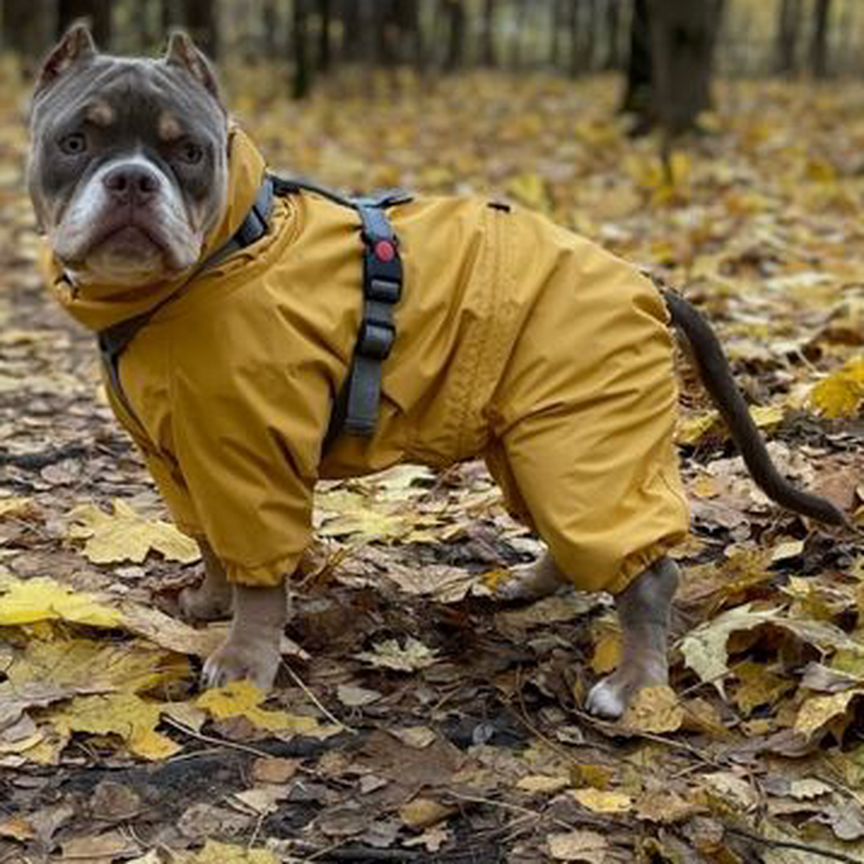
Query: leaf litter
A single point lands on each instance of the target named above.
(421, 718)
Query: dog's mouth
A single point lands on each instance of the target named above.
(130, 237)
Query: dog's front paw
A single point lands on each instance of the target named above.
(202, 603)
(252, 660)
(530, 582)
(610, 697)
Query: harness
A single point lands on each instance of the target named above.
(356, 407)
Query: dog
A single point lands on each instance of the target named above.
(515, 340)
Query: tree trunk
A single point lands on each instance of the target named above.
(575, 22)
(683, 36)
(352, 29)
(96, 12)
(325, 52)
(199, 18)
(455, 56)
(516, 34)
(787, 36)
(488, 54)
(819, 41)
(613, 35)
(640, 74)
(556, 25)
(28, 27)
(302, 82)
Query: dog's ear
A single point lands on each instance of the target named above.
(183, 52)
(75, 46)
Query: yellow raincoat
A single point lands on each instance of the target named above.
(516, 340)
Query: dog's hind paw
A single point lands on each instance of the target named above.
(250, 660)
(202, 604)
(530, 582)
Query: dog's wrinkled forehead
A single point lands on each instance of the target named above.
(129, 104)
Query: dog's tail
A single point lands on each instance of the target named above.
(717, 377)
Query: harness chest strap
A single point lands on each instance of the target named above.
(356, 408)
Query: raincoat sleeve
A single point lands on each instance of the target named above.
(165, 474)
(248, 451)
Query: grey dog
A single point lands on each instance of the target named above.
(128, 174)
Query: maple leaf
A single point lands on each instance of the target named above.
(244, 699)
(391, 655)
(42, 599)
(841, 394)
(127, 536)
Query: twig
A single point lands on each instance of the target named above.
(792, 844)
(219, 742)
(594, 821)
(316, 701)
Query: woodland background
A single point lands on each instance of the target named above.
(417, 719)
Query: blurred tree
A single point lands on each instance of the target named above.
(819, 39)
(674, 87)
(97, 12)
(325, 31)
(789, 26)
(683, 38)
(488, 53)
(29, 28)
(302, 81)
(456, 25)
(199, 18)
(612, 59)
(638, 88)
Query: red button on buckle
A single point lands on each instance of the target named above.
(385, 251)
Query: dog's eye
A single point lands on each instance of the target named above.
(191, 152)
(73, 144)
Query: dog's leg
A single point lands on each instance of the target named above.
(252, 647)
(643, 611)
(533, 581)
(211, 599)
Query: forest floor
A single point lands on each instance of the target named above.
(416, 719)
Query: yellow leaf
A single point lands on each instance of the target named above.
(693, 429)
(86, 666)
(224, 853)
(530, 189)
(841, 394)
(32, 600)
(128, 536)
(391, 655)
(817, 711)
(17, 508)
(424, 812)
(607, 652)
(599, 801)
(542, 783)
(243, 699)
(588, 847)
(122, 714)
(656, 710)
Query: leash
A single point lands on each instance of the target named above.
(357, 407)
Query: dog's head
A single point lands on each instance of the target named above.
(128, 160)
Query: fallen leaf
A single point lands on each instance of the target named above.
(584, 846)
(655, 710)
(127, 536)
(542, 784)
(422, 813)
(391, 655)
(42, 599)
(598, 801)
(244, 699)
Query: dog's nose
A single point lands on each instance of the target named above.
(135, 184)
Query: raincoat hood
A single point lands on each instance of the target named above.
(98, 307)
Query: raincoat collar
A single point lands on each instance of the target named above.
(98, 307)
